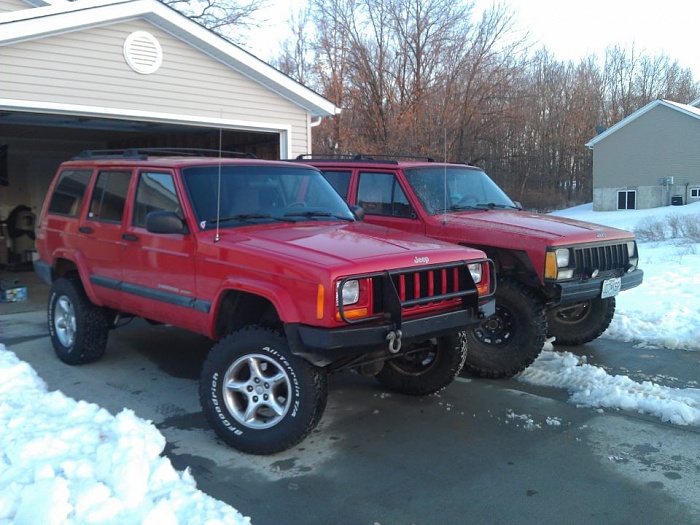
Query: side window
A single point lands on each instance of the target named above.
(381, 194)
(155, 192)
(340, 180)
(68, 196)
(109, 196)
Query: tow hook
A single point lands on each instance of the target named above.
(394, 338)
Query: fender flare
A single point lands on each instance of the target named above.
(285, 305)
(80, 262)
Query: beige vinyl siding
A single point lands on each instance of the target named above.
(88, 68)
(660, 143)
(7, 6)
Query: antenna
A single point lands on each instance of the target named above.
(444, 181)
(218, 190)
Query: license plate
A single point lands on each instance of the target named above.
(611, 287)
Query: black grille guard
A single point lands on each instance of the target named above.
(393, 306)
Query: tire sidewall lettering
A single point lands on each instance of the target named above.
(219, 407)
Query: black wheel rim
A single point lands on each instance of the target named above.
(498, 329)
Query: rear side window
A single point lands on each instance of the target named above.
(109, 196)
(155, 192)
(340, 180)
(69, 193)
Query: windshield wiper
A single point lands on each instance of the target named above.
(493, 205)
(481, 206)
(249, 217)
(309, 214)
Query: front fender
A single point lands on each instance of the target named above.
(285, 304)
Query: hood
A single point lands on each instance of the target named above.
(524, 228)
(341, 247)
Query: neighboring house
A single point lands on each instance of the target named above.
(648, 159)
(97, 74)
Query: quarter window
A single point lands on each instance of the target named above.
(68, 196)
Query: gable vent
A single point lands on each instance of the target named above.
(143, 52)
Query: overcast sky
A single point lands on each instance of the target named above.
(572, 29)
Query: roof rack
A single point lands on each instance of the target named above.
(144, 153)
(390, 159)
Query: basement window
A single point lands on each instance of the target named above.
(627, 200)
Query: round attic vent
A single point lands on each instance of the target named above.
(143, 52)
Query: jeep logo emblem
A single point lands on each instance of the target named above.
(421, 260)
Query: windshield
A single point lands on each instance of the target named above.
(236, 195)
(443, 189)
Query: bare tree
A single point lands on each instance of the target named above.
(424, 77)
(225, 17)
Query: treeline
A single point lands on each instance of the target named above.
(431, 78)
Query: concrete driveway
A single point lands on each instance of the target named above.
(467, 455)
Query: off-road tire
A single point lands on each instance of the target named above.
(581, 323)
(510, 340)
(259, 397)
(78, 328)
(425, 368)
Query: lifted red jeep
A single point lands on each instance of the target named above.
(556, 277)
(264, 258)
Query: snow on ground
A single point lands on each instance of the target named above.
(66, 461)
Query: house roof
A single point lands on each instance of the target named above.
(53, 17)
(687, 109)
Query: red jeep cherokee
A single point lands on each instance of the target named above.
(556, 276)
(266, 259)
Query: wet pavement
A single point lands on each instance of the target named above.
(482, 451)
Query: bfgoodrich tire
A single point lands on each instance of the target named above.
(259, 397)
(510, 340)
(580, 323)
(425, 368)
(78, 328)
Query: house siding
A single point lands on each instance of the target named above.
(88, 68)
(657, 145)
(7, 6)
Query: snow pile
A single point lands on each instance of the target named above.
(66, 461)
(592, 386)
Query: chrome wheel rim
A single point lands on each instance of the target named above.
(257, 391)
(64, 321)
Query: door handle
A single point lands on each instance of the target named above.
(85, 229)
(129, 237)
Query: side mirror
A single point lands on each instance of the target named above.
(164, 222)
(358, 211)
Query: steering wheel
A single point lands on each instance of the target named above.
(296, 204)
(467, 200)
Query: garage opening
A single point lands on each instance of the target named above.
(32, 145)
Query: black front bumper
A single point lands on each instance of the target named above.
(576, 292)
(323, 346)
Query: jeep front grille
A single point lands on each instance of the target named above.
(605, 258)
(407, 291)
(415, 287)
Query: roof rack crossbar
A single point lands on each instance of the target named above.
(144, 153)
(362, 156)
